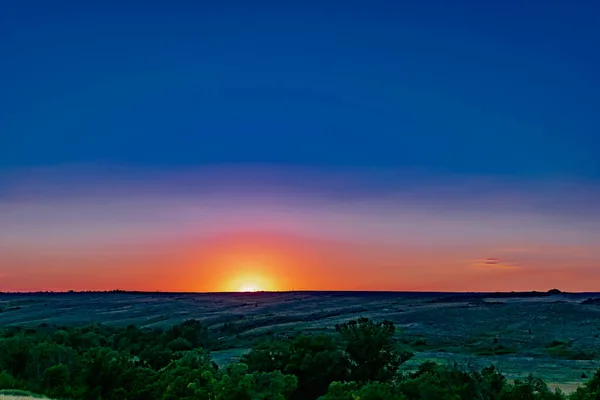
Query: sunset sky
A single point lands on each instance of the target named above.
(302, 145)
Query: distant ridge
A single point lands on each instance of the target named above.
(448, 296)
(496, 295)
(592, 301)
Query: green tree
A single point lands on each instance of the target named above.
(185, 378)
(180, 344)
(316, 361)
(530, 388)
(370, 391)
(196, 334)
(272, 355)
(46, 354)
(14, 355)
(590, 390)
(103, 371)
(56, 381)
(7, 381)
(370, 349)
(156, 357)
(237, 384)
(274, 385)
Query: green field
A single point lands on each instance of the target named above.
(555, 337)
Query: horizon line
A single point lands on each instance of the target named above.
(550, 291)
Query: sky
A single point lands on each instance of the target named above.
(300, 145)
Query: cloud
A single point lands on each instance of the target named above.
(496, 263)
(492, 261)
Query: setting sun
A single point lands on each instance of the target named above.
(247, 264)
(250, 288)
(250, 283)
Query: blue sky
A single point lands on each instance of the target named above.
(426, 145)
(476, 88)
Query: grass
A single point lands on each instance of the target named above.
(566, 350)
(15, 394)
(496, 351)
(225, 357)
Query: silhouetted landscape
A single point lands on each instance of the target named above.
(553, 335)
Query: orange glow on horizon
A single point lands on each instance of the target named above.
(250, 282)
(241, 263)
(248, 262)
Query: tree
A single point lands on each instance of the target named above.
(530, 388)
(237, 384)
(370, 391)
(370, 349)
(272, 355)
(14, 355)
(316, 360)
(185, 378)
(194, 333)
(156, 357)
(56, 381)
(7, 381)
(103, 370)
(590, 390)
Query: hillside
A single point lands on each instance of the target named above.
(552, 334)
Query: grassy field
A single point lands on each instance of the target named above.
(19, 395)
(11, 397)
(552, 336)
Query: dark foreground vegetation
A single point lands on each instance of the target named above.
(360, 361)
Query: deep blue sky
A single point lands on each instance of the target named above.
(462, 87)
(399, 145)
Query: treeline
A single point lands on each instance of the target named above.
(360, 361)
(46, 292)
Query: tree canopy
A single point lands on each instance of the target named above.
(360, 361)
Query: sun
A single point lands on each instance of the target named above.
(250, 282)
(250, 287)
